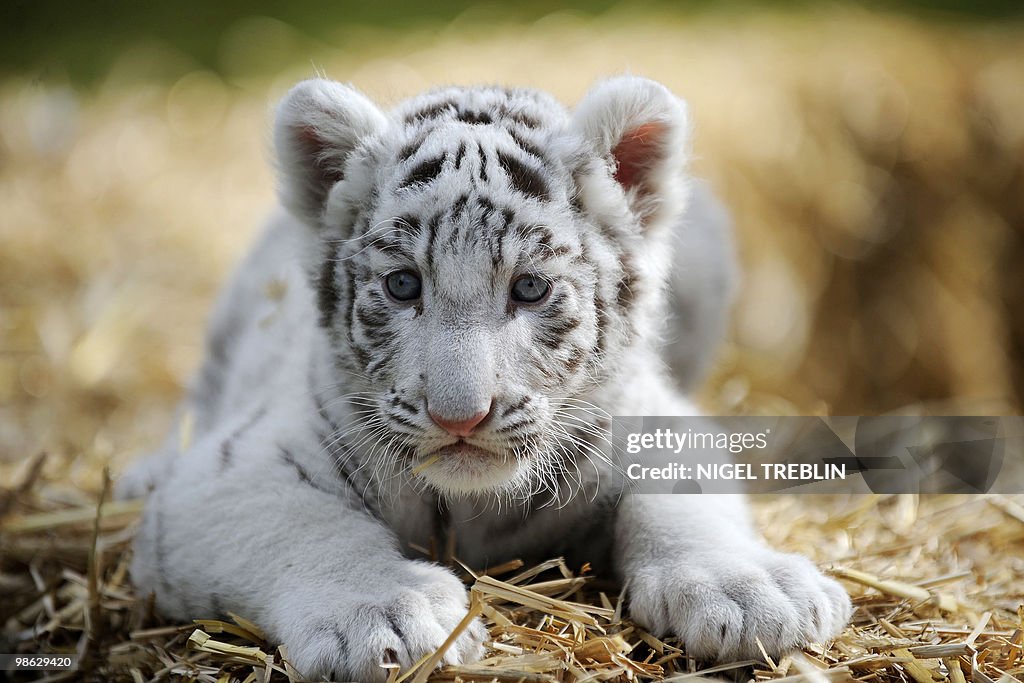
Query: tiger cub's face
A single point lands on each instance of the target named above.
(479, 267)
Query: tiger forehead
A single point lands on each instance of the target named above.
(473, 172)
(473, 223)
(502, 159)
(491, 137)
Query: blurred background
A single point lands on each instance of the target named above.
(872, 156)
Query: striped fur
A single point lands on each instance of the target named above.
(317, 466)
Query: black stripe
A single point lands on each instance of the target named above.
(397, 402)
(227, 446)
(330, 628)
(524, 119)
(409, 223)
(453, 238)
(350, 291)
(544, 237)
(342, 641)
(549, 341)
(483, 164)
(626, 287)
(409, 150)
(391, 614)
(516, 407)
(497, 250)
(377, 336)
(431, 111)
(564, 327)
(361, 353)
(575, 359)
(424, 172)
(602, 324)
(369, 319)
(553, 336)
(289, 459)
(576, 202)
(527, 146)
(460, 205)
(514, 426)
(402, 421)
(474, 117)
(373, 367)
(432, 225)
(327, 294)
(524, 179)
(341, 457)
(487, 205)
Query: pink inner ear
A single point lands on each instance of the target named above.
(313, 146)
(309, 138)
(637, 151)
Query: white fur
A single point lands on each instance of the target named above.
(312, 472)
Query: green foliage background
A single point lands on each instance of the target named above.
(80, 40)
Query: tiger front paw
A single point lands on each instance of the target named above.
(350, 635)
(720, 605)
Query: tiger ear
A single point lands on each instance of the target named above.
(319, 124)
(641, 130)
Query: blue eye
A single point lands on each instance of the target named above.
(530, 289)
(403, 285)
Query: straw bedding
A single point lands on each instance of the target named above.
(938, 585)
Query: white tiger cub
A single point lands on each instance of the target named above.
(460, 292)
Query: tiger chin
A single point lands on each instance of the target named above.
(467, 287)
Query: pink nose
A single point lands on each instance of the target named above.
(459, 427)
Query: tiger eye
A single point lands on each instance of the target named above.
(403, 285)
(530, 289)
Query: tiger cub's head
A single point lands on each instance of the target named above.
(484, 259)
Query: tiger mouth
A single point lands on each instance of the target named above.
(463, 468)
(464, 449)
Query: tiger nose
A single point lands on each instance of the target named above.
(460, 427)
